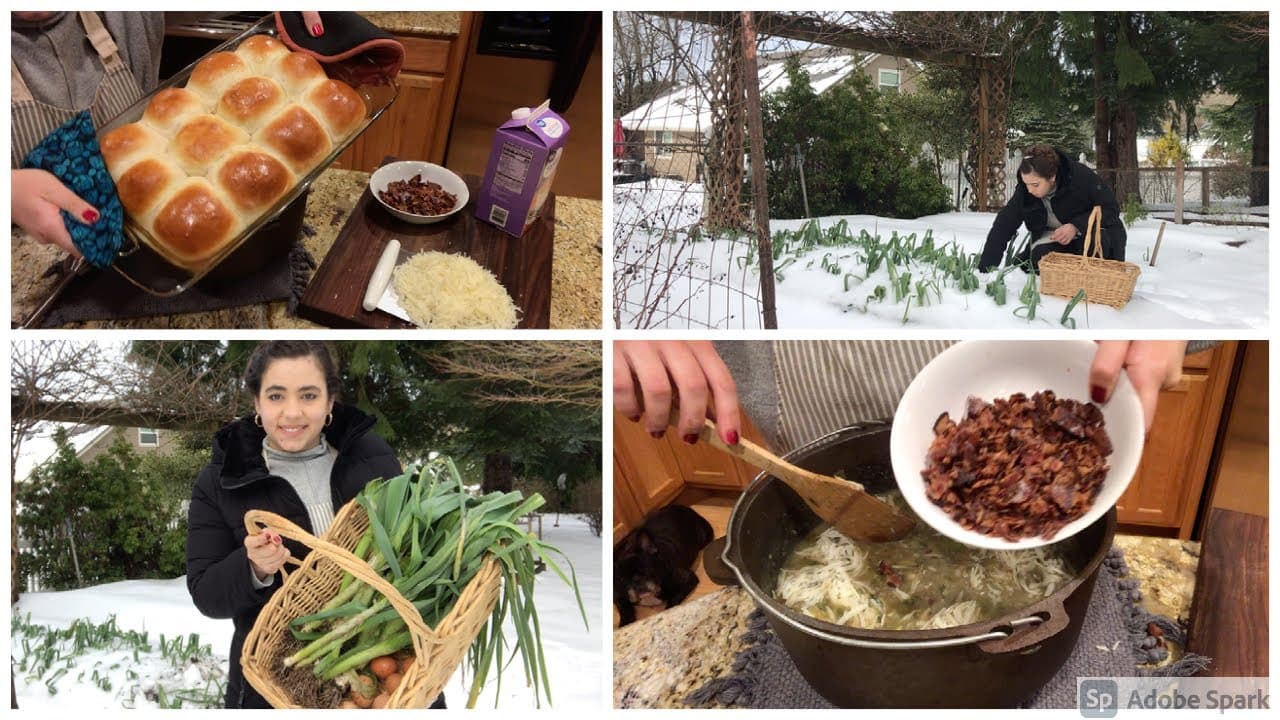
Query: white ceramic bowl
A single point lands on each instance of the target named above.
(405, 170)
(995, 369)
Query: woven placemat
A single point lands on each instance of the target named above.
(1113, 643)
(106, 295)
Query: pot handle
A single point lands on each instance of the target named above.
(1026, 639)
(713, 563)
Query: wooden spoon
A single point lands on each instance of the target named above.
(844, 504)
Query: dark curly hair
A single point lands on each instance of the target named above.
(1040, 159)
(277, 349)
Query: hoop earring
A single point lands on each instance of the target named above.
(328, 420)
(257, 419)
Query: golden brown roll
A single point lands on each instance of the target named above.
(145, 184)
(195, 222)
(340, 108)
(253, 179)
(296, 137)
(170, 108)
(202, 140)
(249, 103)
(298, 72)
(214, 74)
(128, 144)
(262, 52)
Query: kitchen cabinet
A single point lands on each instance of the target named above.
(1166, 491)
(416, 126)
(650, 473)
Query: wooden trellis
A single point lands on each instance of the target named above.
(724, 160)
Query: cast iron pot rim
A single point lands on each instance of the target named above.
(993, 629)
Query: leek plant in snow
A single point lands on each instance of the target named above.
(428, 537)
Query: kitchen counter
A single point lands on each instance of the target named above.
(575, 283)
(659, 660)
(417, 23)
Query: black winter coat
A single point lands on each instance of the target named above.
(1079, 190)
(236, 480)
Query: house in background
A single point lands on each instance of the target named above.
(91, 443)
(669, 134)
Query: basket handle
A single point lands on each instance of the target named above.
(1095, 221)
(254, 520)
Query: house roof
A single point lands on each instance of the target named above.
(685, 109)
(40, 448)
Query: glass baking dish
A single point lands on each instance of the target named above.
(147, 263)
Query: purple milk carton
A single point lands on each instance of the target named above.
(522, 164)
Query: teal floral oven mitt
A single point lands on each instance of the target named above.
(72, 155)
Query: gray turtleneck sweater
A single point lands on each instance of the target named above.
(308, 472)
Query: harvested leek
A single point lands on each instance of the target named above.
(428, 537)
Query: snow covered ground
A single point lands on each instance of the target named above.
(1206, 276)
(575, 660)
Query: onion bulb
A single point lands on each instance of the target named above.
(383, 666)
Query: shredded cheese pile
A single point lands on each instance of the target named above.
(440, 290)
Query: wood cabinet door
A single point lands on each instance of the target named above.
(407, 130)
(626, 510)
(1166, 489)
(644, 467)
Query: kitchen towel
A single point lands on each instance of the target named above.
(1113, 643)
(105, 295)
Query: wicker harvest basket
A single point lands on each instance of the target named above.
(1109, 282)
(438, 650)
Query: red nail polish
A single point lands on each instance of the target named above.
(317, 30)
(90, 216)
(1098, 393)
(655, 434)
(690, 438)
(733, 437)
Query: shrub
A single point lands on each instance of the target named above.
(1133, 210)
(117, 517)
(858, 158)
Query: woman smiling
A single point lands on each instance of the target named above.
(302, 455)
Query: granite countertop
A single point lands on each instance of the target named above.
(659, 660)
(417, 23)
(575, 275)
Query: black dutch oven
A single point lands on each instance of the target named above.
(1000, 662)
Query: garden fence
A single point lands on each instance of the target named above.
(687, 203)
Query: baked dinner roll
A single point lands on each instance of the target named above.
(195, 222)
(249, 103)
(337, 106)
(214, 74)
(145, 184)
(262, 52)
(202, 140)
(252, 179)
(172, 107)
(128, 144)
(296, 137)
(297, 72)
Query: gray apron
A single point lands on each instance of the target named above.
(34, 120)
(830, 384)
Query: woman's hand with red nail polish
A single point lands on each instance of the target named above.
(266, 553)
(37, 200)
(676, 382)
(1152, 365)
(311, 20)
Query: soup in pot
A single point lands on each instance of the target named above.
(923, 581)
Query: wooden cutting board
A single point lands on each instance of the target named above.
(523, 265)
